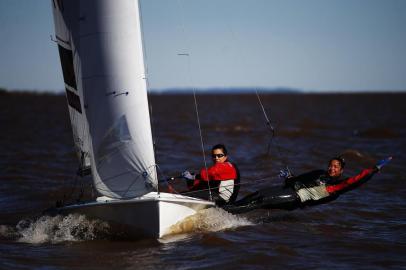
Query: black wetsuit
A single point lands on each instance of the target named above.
(311, 188)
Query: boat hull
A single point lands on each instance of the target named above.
(148, 216)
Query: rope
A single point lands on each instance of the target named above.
(267, 119)
(146, 70)
(266, 116)
(201, 141)
(194, 95)
(251, 182)
(272, 130)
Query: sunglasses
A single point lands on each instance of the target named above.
(217, 155)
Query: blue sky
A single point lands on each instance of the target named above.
(313, 45)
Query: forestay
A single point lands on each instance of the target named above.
(106, 43)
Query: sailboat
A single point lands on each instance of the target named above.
(101, 51)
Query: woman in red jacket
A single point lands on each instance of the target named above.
(312, 188)
(222, 178)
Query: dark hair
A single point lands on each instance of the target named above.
(340, 160)
(220, 146)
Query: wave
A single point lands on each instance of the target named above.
(209, 220)
(377, 133)
(358, 156)
(46, 229)
(75, 227)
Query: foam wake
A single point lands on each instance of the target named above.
(56, 229)
(211, 219)
(75, 227)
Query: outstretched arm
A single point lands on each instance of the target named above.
(359, 179)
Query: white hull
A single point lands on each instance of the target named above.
(148, 216)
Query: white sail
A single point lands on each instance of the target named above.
(108, 58)
(70, 67)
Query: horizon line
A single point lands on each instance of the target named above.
(225, 89)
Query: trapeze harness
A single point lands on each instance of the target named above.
(224, 181)
(311, 188)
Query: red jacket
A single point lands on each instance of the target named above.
(350, 181)
(219, 172)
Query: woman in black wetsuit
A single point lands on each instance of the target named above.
(315, 187)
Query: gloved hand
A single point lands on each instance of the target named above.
(382, 163)
(285, 173)
(188, 175)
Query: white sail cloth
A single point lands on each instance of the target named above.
(109, 67)
(65, 24)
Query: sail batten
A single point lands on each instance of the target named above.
(109, 68)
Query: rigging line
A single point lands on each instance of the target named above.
(201, 141)
(131, 185)
(166, 180)
(267, 118)
(136, 174)
(146, 78)
(272, 129)
(160, 171)
(242, 58)
(144, 175)
(249, 182)
(268, 123)
(194, 91)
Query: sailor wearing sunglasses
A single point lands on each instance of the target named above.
(223, 178)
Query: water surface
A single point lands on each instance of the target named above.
(363, 229)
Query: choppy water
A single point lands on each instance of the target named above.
(363, 229)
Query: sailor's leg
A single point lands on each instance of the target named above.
(279, 198)
(248, 199)
(269, 198)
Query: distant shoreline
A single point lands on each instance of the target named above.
(219, 91)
